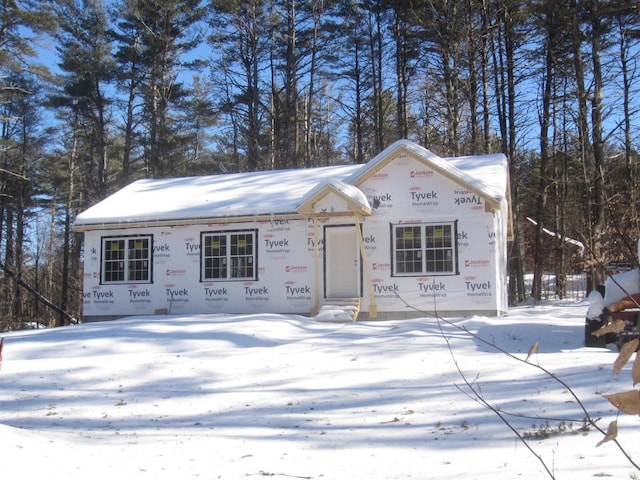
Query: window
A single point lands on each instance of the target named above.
(424, 248)
(229, 255)
(126, 259)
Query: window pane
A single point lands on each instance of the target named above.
(241, 255)
(138, 259)
(439, 248)
(440, 260)
(114, 256)
(420, 249)
(126, 259)
(215, 256)
(438, 236)
(408, 249)
(229, 255)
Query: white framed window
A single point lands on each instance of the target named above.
(127, 259)
(228, 255)
(425, 248)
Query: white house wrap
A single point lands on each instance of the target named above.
(406, 234)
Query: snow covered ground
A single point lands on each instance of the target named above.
(249, 396)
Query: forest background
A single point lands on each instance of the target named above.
(96, 94)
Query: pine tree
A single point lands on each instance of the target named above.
(163, 31)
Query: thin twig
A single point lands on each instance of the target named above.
(478, 397)
(587, 417)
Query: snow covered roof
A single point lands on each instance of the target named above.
(270, 192)
(488, 173)
(273, 192)
(485, 174)
(353, 195)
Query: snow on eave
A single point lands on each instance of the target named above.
(347, 191)
(489, 172)
(350, 191)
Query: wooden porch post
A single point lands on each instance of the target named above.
(373, 307)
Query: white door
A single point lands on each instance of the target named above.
(341, 262)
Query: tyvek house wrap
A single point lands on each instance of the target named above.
(404, 183)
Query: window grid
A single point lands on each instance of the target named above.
(439, 248)
(138, 270)
(242, 255)
(114, 260)
(424, 249)
(229, 255)
(215, 256)
(408, 250)
(126, 259)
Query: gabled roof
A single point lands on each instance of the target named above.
(356, 201)
(485, 175)
(216, 198)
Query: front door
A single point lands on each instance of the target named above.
(341, 262)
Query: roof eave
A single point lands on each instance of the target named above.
(177, 222)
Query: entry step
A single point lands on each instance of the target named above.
(339, 310)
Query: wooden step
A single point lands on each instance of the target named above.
(339, 310)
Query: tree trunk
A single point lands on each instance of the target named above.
(66, 247)
(543, 180)
(599, 195)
